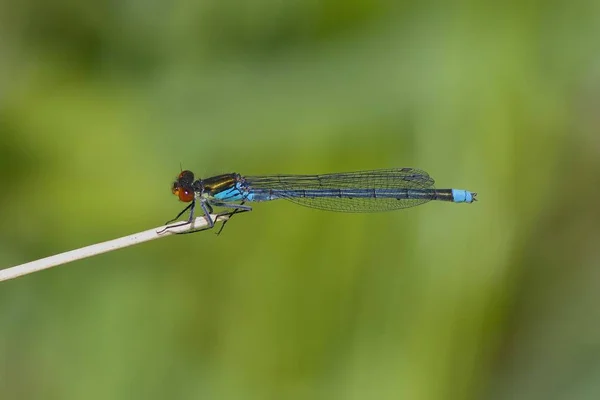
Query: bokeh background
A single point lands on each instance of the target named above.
(101, 102)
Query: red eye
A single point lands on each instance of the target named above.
(182, 187)
(185, 195)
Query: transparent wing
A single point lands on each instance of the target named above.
(400, 178)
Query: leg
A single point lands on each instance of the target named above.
(206, 227)
(238, 208)
(206, 208)
(192, 205)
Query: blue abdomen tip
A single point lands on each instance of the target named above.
(463, 196)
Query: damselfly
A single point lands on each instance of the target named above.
(357, 192)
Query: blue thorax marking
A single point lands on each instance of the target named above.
(236, 193)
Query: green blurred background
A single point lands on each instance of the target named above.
(100, 103)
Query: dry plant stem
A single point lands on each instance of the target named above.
(99, 248)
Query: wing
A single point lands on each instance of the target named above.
(400, 178)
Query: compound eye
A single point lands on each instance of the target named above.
(183, 188)
(185, 194)
(186, 177)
